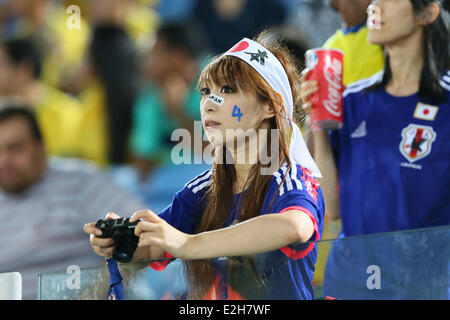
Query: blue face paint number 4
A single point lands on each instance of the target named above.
(237, 113)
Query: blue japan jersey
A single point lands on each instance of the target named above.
(393, 159)
(287, 272)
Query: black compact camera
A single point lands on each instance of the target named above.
(122, 232)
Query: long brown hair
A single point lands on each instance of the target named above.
(219, 197)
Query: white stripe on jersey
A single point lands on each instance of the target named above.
(446, 79)
(291, 176)
(363, 84)
(205, 175)
(295, 178)
(445, 85)
(202, 186)
(288, 180)
(277, 175)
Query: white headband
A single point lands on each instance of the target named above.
(271, 69)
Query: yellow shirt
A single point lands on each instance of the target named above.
(361, 58)
(93, 136)
(58, 115)
(68, 46)
(141, 23)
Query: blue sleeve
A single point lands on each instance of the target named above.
(302, 201)
(293, 198)
(309, 200)
(184, 214)
(185, 211)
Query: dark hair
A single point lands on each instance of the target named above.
(183, 35)
(436, 48)
(24, 50)
(10, 111)
(114, 59)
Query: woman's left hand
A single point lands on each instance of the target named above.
(154, 231)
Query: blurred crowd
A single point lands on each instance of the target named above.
(109, 80)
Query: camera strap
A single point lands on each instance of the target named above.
(116, 291)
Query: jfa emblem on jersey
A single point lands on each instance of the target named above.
(416, 141)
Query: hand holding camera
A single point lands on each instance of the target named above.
(145, 236)
(121, 231)
(113, 237)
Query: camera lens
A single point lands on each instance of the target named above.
(123, 257)
(124, 249)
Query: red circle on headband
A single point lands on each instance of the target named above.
(240, 46)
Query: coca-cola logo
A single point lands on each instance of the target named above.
(333, 75)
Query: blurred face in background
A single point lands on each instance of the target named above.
(159, 61)
(22, 156)
(334, 4)
(353, 12)
(339, 5)
(359, 5)
(20, 6)
(99, 11)
(7, 74)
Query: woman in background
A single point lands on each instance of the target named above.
(390, 160)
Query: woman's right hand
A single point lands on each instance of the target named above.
(307, 88)
(102, 246)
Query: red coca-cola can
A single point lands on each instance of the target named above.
(326, 67)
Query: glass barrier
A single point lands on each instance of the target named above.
(411, 264)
